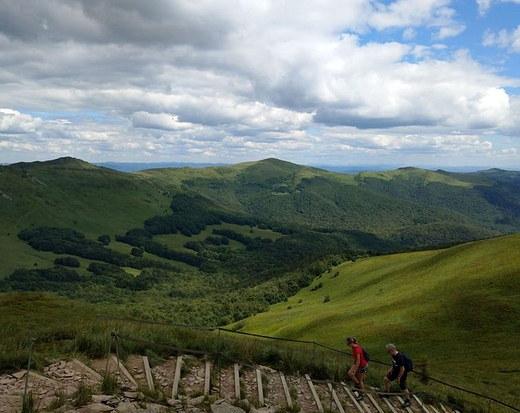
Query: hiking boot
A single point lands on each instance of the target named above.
(360, 397)
(407, 403)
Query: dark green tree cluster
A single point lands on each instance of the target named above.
(141, 239)
(67, 262)
(110, 279)
(69, 241)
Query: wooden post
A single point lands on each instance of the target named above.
(260, 386)
(148, 373)
(177, 377)
(207, 378)
(237, 381)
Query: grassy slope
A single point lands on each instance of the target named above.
(405, 200)
(458, 308)
(89, 199)
(71, 193)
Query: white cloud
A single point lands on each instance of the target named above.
(162, 121)
(449, 31)
(485, 5)
(503, 39)
(14, 122)
(410, 13)
(234, 78)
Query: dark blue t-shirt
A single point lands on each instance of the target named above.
(398, 361)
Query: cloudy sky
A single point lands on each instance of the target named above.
(427, 83)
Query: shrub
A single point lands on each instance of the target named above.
(82, 396)
(109, 384)
(93, 346)
(60, 398)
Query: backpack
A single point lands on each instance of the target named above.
(366, 356)
(408, 363)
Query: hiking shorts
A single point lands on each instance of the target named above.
(393, 376)
(363, 369)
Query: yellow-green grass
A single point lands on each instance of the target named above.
(177, 241)
(418, 175)
(458, 308)
(18, 254)
(50, 322)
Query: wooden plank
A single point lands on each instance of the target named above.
(148, 374)
(444, 408)
(375, 403)
(177, 377)
(353, 399)
(237, 381)
(125, 372)
(390, 405)
(365, 405)
(420, 402)
(286, 391)
(37, 376)
(314, 394)
(336, 399)
(207, 378)
(401, 400)
(260, 387)
(434, 409)
(94, 374)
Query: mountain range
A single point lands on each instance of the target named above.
(201, 231)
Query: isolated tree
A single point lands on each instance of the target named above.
(137, 252)
(104, 239)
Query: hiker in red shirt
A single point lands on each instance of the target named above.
(359, 368)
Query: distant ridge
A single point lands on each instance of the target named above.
(141, 166)
(344, 169)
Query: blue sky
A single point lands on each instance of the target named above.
(425, 83)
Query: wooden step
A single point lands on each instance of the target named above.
(188, 378)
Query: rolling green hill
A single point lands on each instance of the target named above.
(230, 227)
(457, 308)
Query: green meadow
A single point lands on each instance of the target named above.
(457, 309)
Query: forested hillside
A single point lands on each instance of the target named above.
(194, 245)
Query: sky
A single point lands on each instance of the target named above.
(425, 83)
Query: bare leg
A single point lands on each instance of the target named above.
(360, 378)
(352, 375)
(387, 384)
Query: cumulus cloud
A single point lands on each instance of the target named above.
(234, 79)
(14, 122)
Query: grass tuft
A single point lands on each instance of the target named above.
(30, 403)
(82, 396)
(109, 384)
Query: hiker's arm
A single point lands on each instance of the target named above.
(355, 366)
(401, 372)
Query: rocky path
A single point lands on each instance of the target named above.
(186, 384)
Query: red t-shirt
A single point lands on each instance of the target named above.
(357, 350)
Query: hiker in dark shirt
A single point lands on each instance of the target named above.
(397, 373)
